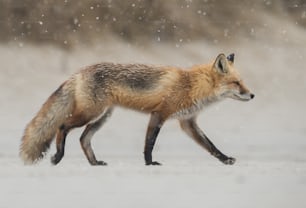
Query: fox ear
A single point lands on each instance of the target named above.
(221, 64)
(231, 57)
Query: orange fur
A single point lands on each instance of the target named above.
(168, 92)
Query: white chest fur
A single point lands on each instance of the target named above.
(194, 109)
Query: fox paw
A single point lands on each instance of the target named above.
(229, 161)
(55, 159)
(153, 163)
(102, 163)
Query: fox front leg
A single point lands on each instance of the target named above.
(152, 132)
(192, 129)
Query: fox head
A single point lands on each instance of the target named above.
(228, 81)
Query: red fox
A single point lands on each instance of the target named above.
(89, 97)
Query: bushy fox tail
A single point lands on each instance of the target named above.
(40, 132)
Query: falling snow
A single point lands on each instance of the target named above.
(42, 44)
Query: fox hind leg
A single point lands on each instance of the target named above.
(77, 120)
(60, 145)
(87, 135)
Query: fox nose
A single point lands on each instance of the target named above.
(252, 95)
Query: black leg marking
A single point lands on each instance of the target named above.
(192, 129)
(152, 132)
(87, 135)
(60, 145)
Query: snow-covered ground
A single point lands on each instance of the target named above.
(266, 135)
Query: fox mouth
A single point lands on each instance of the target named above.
(243, 97)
